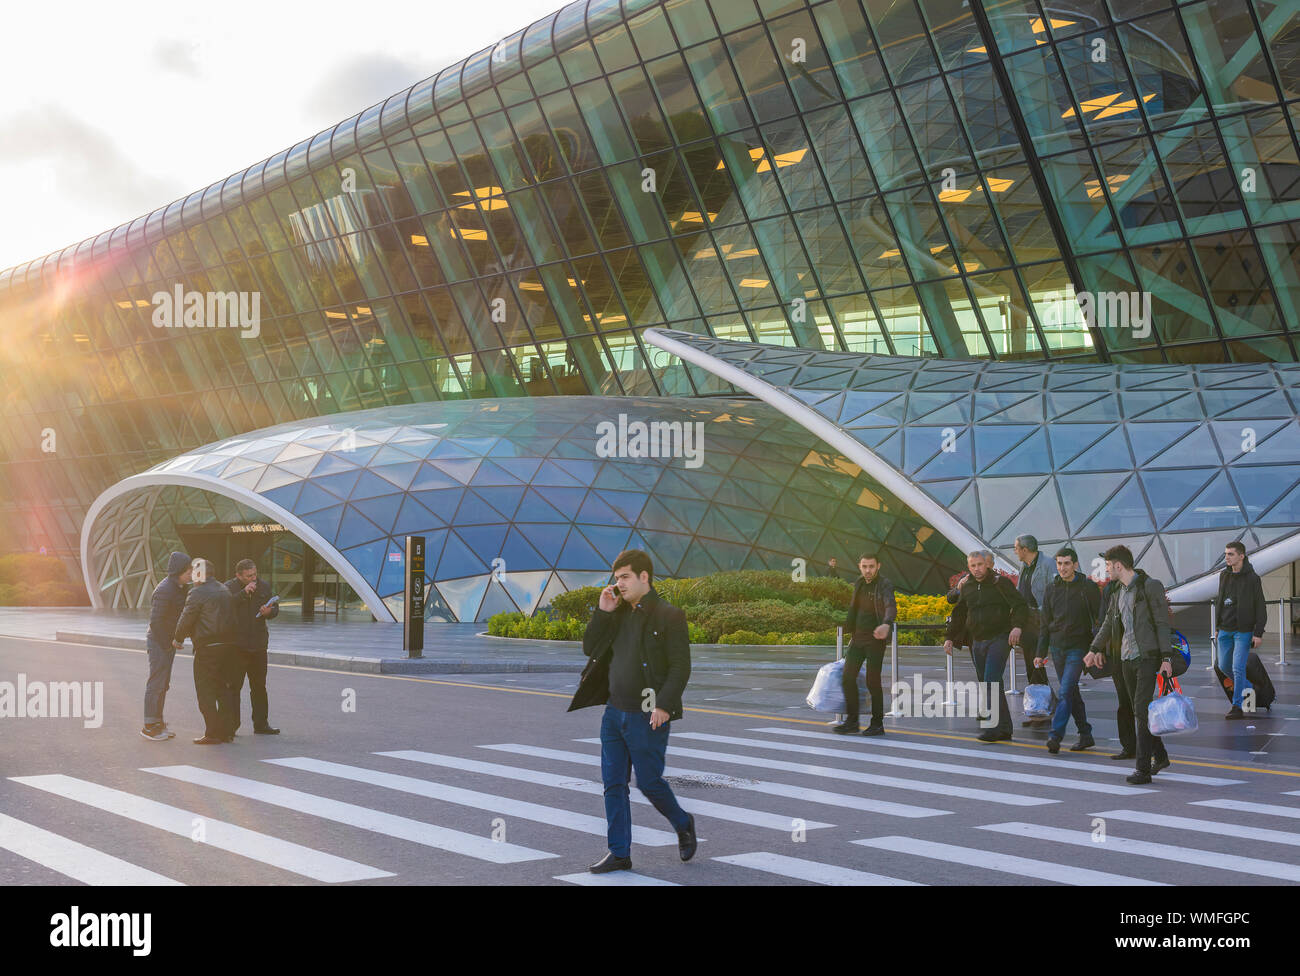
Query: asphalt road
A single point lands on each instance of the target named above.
(487, 780)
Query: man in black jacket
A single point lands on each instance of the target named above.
(209, 620)
(253, 608)
(1069, 608)
(1241, 615)
(992, 612)
(640, 661)
(164, 610)
(871, 614)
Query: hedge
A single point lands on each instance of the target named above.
(33, 580)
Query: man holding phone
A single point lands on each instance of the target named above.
(254, 606)
(640, 661)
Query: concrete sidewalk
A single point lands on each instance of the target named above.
(377, 647)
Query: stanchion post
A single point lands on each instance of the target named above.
(1214, 639)
(893, 670)
(1281, 632)
(839, 656)
(1015, 656)
(948, 703)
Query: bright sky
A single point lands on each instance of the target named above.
(113, 109)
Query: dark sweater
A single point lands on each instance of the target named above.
(987, 608)
(1240, 604)
(1069, 612)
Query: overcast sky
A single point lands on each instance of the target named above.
(113, 109)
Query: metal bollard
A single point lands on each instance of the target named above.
(1214, 640)
(839, 656)
(1015, 656)
(949, 704)
(1281, 634)
(894, 709)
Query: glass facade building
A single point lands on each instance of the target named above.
(934, 178)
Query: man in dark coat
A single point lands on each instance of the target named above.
(208, 618)
(253, 608)
(640, 661)
(164, 610)
(870, 618)
(1240, 616)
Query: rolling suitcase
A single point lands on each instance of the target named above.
(1258, 677)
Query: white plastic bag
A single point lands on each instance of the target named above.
(827, 693)
(1037, 701)
(1171, 713)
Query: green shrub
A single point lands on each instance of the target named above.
(577, 604)
(763, 616)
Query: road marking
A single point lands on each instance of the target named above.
(1204, 826)
(67, 857)
(1271, 809)
(1072, 765)
(997, 861)
(794, 867)
(404, 828)
(705, 808)
(553, 816)
(1142, 848)
(940, 789)
(616, 879)
(908, 762)
(218, 834)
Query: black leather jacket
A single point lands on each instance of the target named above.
(250, 629)
(208, 616)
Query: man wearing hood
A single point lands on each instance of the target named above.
(1241, 616)
(208, 618)
(164, 610)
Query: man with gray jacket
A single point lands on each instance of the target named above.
(164, 610)
(209, 620)
(1137, 621)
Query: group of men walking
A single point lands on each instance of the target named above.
(1055, 612)
(226, 622)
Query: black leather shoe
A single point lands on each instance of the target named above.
(208, 740)
(1085, 742)
(874, 730)
(1053, 745)
(1159, 764)
(846, 728)
(1235, 712)
(1138, 779)
(1124, 755)
(993, 735)
(686, 842)
(610, 862)
(229, 738)
(266, 731)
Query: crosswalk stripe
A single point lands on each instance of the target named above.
(1204, 826)
(1142, 848)
(908, 762)
(364, 818)
(801, 870)
(68, 857)
(707, 808)
(1004, 755)
(1269, 809)
(1005, 863)
(897, 782)
(554, 816)
(616, 879)
(218, 834)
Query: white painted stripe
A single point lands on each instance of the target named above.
(67, 857)
(706, 808)
(1204, 826)
(794, 867)
(616, 879)
(896, 782)
(404, 828)
(1142, 848)
(909, 762)
(1269, 809)
(1074, 762)
(554, 816)
(1024, 867)
(218, 834)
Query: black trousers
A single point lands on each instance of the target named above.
(250, 665)
(218, 704)
(1140, 679)
(872, 651)
(1124, 713)
(1029, 648)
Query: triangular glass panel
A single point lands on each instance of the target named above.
(1084, 493)
(1149, 439)
(1197, 447)
(1169, 491)
(1001, 500)
(1111, 453)
(464, 596)
(1215, 507)
(1124, 512)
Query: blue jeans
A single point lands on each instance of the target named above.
(1234, 652)
(626, 743)
(160, 676)
(1069, 665)
(990, 657)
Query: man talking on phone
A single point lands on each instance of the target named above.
(254, 606)
(640, 661)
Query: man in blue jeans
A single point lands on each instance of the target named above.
(1241, 616)
(164, 611)
(640, 661)
(1070, 604)
(989, 614)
